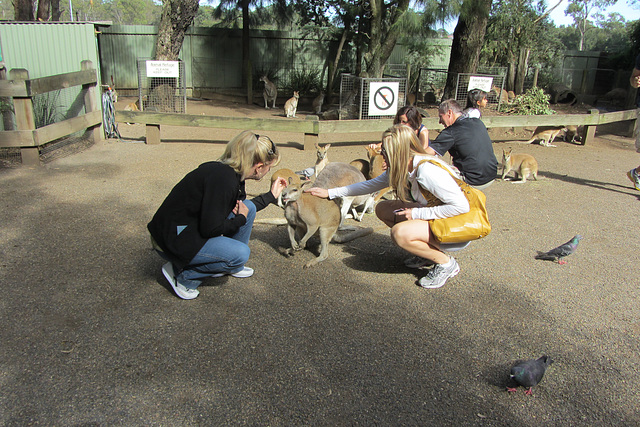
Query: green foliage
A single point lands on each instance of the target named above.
(46, 109)
(533, 102)
(304, 80)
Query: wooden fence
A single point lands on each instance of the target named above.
(22, 90)
(312, 127)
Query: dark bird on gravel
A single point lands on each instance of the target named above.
(561, 251)
(529, 373)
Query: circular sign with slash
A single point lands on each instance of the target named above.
(384, 98)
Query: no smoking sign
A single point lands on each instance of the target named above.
(383, 98)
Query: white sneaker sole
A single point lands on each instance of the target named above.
(245, 272)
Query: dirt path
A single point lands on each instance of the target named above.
(93, 335)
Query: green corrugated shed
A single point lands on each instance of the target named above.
(48, 48)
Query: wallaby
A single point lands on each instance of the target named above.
(270, 92)
(132, 106)
(317, 103)
(522, 164)
(291, 106)
(545, 134)
(501, 94)
(573, 133)
(307, 214)
(376, 168)
(292, 178)
(321, 158)
(340, 174)
(362, 165)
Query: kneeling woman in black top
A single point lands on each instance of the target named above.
(203, 226)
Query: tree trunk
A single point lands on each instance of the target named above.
(334, 70)
(44, 7)
(177, 16)
(468, 38)
(523, 64)
(23, 10)
(246, 52)
(383, 40)
(55, 10)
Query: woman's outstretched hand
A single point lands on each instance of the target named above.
(318, 192)
(277, 187)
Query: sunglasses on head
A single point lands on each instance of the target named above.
(272, 150)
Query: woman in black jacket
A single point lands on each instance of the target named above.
(203, 226)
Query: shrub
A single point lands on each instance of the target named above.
(533, 102)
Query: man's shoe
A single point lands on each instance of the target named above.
(180, 290)
(633, 176)
(245, 272)
(438, 275)
(418, 262)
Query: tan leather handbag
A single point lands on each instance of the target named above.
(468, 226)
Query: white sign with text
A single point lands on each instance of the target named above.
(163, 69)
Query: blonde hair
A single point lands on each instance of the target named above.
(247, 149)
(400, 143)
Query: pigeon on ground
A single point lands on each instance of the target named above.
(561, 251)
(307, 173)
(529, 373)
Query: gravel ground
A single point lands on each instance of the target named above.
(93, 335)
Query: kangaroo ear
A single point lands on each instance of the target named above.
(306, 184)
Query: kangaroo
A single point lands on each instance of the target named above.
(317, 103)
(376, 165)
(573, 133)
(322, 159)
(546, 135)
(292, 178)
(501, 94)
(362, 165)
(338, 175)
(291, 106)
(132, 106)
(522, 164)
(307, 214)
(270, 92)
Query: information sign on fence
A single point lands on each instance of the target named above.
(163, 69)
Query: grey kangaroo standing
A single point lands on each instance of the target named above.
(270, 92)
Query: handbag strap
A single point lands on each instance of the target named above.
(432, 200)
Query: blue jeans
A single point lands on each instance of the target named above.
(220, 254)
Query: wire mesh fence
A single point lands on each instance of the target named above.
(493, 85)
(48, 108)
(162, 86)
(368, 98)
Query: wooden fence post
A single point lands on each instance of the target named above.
(589, 130)
(23, 107)
(90, 98)
(311, 139)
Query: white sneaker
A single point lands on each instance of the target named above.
(180, 290)
(438, 275)
(245, 272)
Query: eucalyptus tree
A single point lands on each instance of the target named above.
(468, 38)
(581, 11)
(177, 16)
(518, 32)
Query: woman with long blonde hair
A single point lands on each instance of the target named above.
(203, 226)
(424, 191)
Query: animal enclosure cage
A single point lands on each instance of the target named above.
(494, 91)
(358, 97)
(161, 86)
